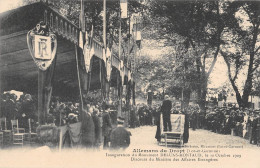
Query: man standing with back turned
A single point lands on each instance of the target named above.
(166, 112)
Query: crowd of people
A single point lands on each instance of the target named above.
(146, 114)
(22, 109)
(100, 125)
(236, 121)
(224, 120)
(99, 120)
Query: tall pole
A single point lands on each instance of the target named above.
(128, 48)
(135, 43)
(120, 36)
(104, 24)
(183, 86)
(82, 17)
(79, 81)
(119, 56)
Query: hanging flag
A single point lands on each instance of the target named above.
(138, 30)
(108, 63)
(88, 53)
(138, 35)
(132, 22)
(123, 6)
(129, 75)
(81, 40)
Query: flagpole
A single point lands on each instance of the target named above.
(82, 17)
(120, 36)
(104, 24)
(128, 48)
(82, 25)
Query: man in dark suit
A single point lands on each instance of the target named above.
(97, 125)
(88, 129)
(166, 112)
(106, 126)
(120, 137)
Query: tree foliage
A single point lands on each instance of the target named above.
(241, 49)
(196, 27)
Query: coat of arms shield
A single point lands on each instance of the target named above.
(42, 44)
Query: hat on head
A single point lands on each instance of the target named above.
(166, 97)
(28, 97)
(120, 120)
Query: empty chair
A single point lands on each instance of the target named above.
(3, 125)
(7, 134)
(18, 133)
(30, 137)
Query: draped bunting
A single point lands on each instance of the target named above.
(45, 83)
(108, 63)
(137, 29)
(88, 53)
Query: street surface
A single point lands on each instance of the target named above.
(197, 137)
(142, 139)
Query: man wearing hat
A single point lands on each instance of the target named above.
(166, 112)
(27, 111)
(120, 137)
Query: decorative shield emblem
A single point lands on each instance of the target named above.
(108, 64)
(88, 53)
(42, 45)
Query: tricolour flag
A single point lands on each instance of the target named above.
(123, 6)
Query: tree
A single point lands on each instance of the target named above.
(241, 49)
(200, 25)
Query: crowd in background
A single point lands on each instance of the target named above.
(224, 120)
(236, 121)
(21, 109)
(99, 119)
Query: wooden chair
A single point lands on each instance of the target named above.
(30, 137)
(7, 134)
(3, 125)
(18, 133)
